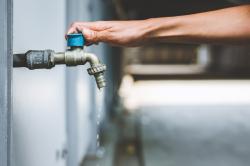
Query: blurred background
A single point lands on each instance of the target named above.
(164, 104)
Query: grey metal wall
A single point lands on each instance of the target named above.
(81, 120)
(100, 10)
(54, 111)
(5, 81)
(39, 96)
(80, 88)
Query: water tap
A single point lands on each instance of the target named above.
(73, 56)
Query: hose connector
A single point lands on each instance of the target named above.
(98, 72)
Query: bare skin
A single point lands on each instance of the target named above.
(225, 26)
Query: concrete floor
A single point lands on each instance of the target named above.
(196, 135)
(184, 123)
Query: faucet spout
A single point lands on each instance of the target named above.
(97, 69)
(92, 59)
(77, 56)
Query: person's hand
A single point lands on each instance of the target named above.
(121, 33)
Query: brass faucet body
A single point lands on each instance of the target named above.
(46, 59)
(77, 56)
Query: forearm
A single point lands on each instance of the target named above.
(231, 25)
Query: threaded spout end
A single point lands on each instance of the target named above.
(100, 80)
(98, 72)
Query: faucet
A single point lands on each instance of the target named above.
(73, 56)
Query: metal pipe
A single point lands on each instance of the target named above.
(19, 60)
(59, 58)
(46, 59)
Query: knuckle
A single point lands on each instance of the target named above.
(94, 36)
(74, 24)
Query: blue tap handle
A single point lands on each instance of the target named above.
(75, 40)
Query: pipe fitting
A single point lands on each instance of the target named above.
(46, 59)
(77, 56)
(34, 59)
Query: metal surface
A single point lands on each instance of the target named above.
(79, 90)
(46, 59)
(5, 81)
(34, 59)
(19, 59)
(81, 121)
(39, 96)
(39, 59)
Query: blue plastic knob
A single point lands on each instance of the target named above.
(75, 40)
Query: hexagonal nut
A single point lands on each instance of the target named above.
(96, 69)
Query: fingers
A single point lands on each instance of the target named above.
(89, 44)
(74, 28)
(77, 26)
(90, 35)
(92, 31)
